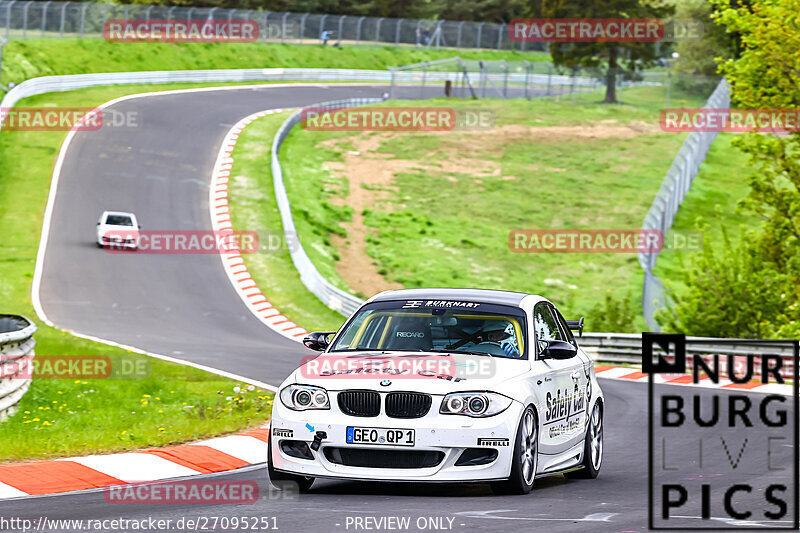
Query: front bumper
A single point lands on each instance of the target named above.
(129, 244)
(449, 434)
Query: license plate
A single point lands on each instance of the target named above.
(380, 436)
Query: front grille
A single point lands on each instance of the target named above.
(407, 404)
(371, 458)
(360, 403)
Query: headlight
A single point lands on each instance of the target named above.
(475, 404)
(305, 397)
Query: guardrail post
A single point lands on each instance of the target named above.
(303, 26)
(25, 19)
(266, 25)
(391, 85)
(480, 34)
(397, 33)
(127, 9)
(147, 14)
(339, 36)
(378, 30)
(549, 77)
(424, 75)
(418, 32)
(283, 26)
(458, 34)
(44, 16)
(169, 13)
(63, 14)
(527, 76)
(505, 80)
(84, 7)
(500, 36)
(358, 30)
(8, 18)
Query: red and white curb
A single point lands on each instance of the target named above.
(233, 263)
(95, 471)
(686, 380)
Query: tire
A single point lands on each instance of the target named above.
(592, 447)
(285, 481)
(526, 457)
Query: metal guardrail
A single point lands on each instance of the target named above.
(627, 348)
(669, 198)
(21, 19)
(46, 84)
(332, 296)
(16, 342)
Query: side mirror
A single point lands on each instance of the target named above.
(576, 325)
(98, 223)
(559, 350)
(140, 226)
(317, 340)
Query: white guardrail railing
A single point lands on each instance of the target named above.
(16, 342)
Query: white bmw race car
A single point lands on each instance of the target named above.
(441, 385)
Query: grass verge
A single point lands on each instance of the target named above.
(29, 58)
(253, 206)
(64, 417)
(444, 216)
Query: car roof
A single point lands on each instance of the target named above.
(480, 295)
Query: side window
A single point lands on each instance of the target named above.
(546, 324)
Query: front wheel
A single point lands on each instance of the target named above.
(526, 457)
(285, 481)
(592, 447)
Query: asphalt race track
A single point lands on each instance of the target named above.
(184, 306)
(615, 501)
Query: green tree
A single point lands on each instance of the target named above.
(753, 289)
(612, 315)
(613, 58)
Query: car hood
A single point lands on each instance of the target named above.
(433, 373)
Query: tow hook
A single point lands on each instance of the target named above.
(318, 437)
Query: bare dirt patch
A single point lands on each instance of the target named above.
(370, 175)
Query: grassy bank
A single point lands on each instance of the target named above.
(30, 58)
(63, 417)
(437, 209)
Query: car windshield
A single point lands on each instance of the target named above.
(119, 220)
(435, 325)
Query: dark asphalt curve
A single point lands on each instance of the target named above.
(182, 306)
(614, 502)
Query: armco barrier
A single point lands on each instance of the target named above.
(627, 348)
(665, 206)
(46, 84)
(335, 298)
(16, 341)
